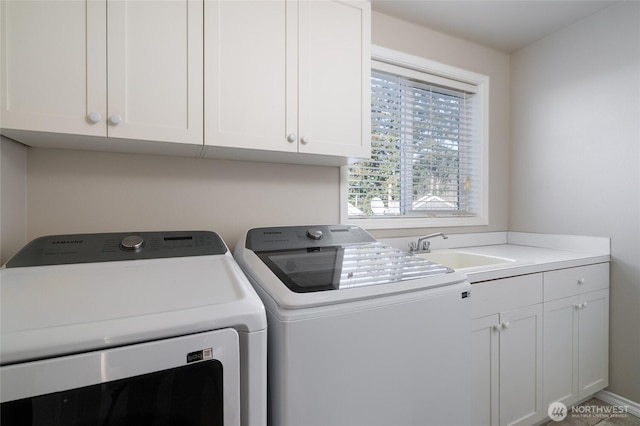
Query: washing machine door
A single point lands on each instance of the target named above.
(190, 380)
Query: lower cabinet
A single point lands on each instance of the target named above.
(507, 379)
(538, 339)
(507, 353)
(576, 335)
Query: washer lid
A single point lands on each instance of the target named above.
(351, 266)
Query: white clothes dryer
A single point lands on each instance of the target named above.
(130, 328)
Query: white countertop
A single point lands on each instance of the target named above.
(527, 253)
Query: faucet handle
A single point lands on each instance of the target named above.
(413, 246)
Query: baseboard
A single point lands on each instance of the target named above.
(613, 399)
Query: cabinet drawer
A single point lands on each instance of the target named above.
(574, 281)
(506, 294)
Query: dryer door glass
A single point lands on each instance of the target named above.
(187, 380)
(186, 395)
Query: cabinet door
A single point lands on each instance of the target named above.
(155, 70)
(593, 343)
(335, 70)
(560, 353)
(484, 371)
(521, 366)
(54, 66)
(251, 86)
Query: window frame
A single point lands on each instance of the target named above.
(438, 71)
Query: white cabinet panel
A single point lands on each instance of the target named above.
(560, 359)
(485, 371)
(506, 294)
(155, 70)
(521, 366)
(334, 84)
(593, 349)
(54, 65)
(574, 281)
(250, 69)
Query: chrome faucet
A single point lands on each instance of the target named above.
(423, 243)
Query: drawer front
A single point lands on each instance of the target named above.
(490, 297)
(574, 281)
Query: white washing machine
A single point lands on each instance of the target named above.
(360, 333)
(118, 328)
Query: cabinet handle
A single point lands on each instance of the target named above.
(304, 140)
(584, 305)
(291, 138)
(502, 326)
(94, 117)
(115, 119)
(581, 281)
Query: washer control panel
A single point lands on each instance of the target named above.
(111, 247)
(298, 237)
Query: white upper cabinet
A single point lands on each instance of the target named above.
(248, 99)
(155, 70)
(122, 69)
(288, 76)
(334, 78)
(266, 80)
(54, 66)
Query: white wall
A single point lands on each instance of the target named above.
(13, 197)
(575, 160)
(77, 192)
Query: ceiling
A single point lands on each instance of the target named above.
(505, 25)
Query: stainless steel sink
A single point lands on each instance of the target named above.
(462, 260)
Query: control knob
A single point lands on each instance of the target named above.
(132, 242)
(315, 234)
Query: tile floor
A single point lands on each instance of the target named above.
(594, 412)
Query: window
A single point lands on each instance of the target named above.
(428, 145)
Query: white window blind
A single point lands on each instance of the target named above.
(424, 154)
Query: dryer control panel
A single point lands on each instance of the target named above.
(117, 246)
